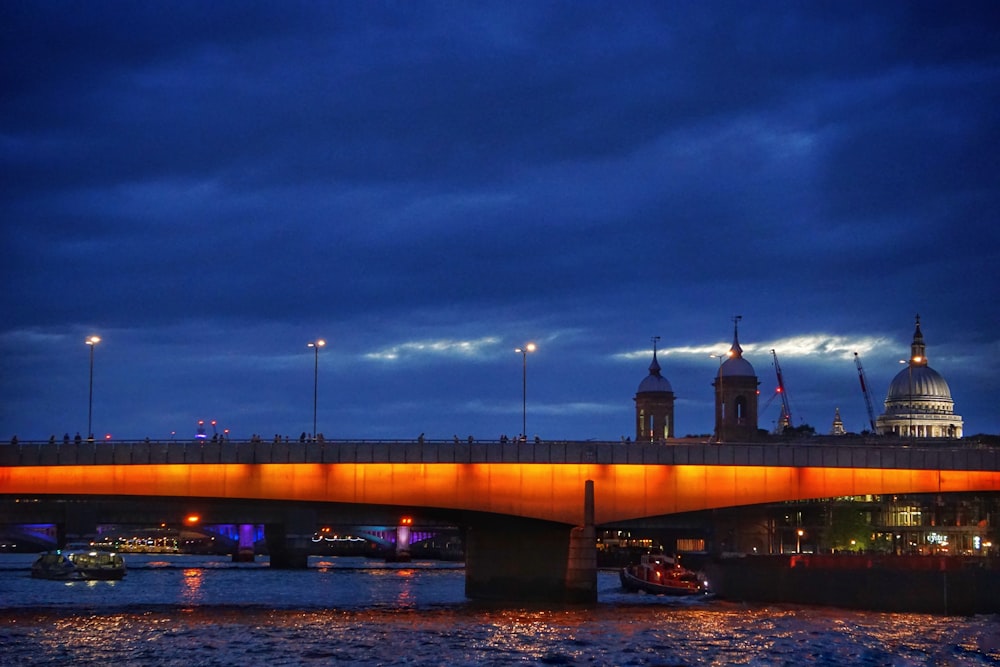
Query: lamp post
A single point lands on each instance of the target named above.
(315, 345)
(909, 397)
(92, 342)
(529, 347)
(722, 399)
(798, 540)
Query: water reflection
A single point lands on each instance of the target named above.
(342, 611)
(405, 598)
(193, 579)
(91, 583)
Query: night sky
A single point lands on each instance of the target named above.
(208, 186)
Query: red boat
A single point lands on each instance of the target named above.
(661, 575)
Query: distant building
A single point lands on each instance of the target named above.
(654, 406)
(919, 403)
(736, 396)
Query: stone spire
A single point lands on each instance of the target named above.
(838, 424)
(736, 352)
(654, 367)
(918, 351)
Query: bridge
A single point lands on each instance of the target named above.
(552, 493)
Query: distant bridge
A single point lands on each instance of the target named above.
(573, 484)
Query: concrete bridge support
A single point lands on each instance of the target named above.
(513, 559)
(289, 542)
(402, 549)
(80, 523)
(244, 552)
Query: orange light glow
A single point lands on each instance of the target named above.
(552, 492)
(191, 519)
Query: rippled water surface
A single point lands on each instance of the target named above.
(189, 610)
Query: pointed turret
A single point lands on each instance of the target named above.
(918, 351)
(736, 352)
(654, 367)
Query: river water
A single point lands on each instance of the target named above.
(205, 610)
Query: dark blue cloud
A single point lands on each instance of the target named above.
(211, 185)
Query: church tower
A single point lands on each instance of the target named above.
(735, 395)
(654, 405)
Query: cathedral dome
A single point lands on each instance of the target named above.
(918, 403)
(927, 384)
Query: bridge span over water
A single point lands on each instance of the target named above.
(532, 480)
(578, 485)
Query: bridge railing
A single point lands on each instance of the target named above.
(803, 454)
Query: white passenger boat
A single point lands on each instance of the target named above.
(93, 564)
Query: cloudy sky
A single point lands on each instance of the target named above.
(429, 185)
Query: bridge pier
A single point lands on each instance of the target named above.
(521, 560)
(402, 548)
(244, 548)
(79, 524)
(289, 542)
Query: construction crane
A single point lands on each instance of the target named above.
(767, 404)
(866, 393)
(786, 412)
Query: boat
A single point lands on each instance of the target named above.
(86, 564)
(661, 575)
(53, 565)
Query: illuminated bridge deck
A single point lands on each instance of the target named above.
(823, 453)
(531, 480)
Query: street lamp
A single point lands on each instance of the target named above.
(909, 367)
(798, 540)
(530, 347)
(92, 342)
(722, 398)
(315, 345)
